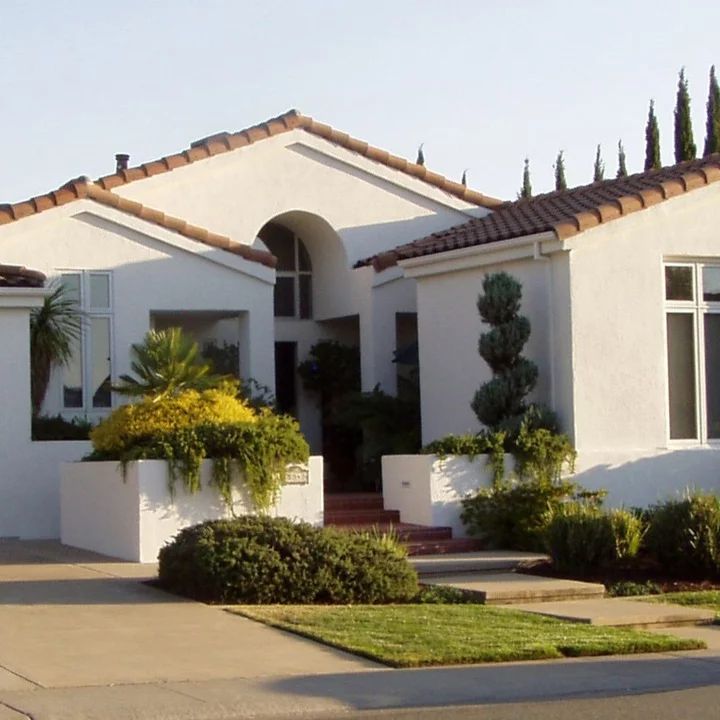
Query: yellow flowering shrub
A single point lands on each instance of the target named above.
(155, 417)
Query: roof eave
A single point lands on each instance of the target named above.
(527, 246)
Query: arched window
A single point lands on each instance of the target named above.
(293, 285)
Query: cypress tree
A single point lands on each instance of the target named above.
(712, 124)
(652, 141)
(599, 168)
(622, 168)
(420, 156)
(526, 189)
(500, 402)
(463, 181)
(559, 167)
(684, 144)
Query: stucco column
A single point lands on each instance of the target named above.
(15, 306)
(257, 345)
(377, 344)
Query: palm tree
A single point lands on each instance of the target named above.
(166, 363)
(54, 328)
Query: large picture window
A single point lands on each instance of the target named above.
(86, 378)
(692, 307)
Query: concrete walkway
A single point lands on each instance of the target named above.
(71, 618)
(82, 638)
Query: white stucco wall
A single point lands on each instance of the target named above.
(344, 207)
(152, 270)
(29, 471)
(429, 490)
(133, 517)
(597, 308)
(449, 327)
(370, 206)
(617, 295)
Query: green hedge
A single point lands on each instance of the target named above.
(257, 560)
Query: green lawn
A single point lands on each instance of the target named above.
(701, 598)
(417, 635)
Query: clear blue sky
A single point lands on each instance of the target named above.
(482, 83)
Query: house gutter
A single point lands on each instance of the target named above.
(536, 246)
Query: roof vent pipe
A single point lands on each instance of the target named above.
(121, 161)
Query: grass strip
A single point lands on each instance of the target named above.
(421, 635)
(700, 598)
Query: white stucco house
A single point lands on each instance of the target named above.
(247, 237)
(290, 231)
(621, 282)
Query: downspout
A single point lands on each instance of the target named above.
(539, 257)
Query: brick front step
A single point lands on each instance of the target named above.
(353, 501)
(444, 547)
(406, 532)
(362, 517)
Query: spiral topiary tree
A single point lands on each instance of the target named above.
(500, 402)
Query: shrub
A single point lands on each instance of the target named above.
(131, 424)
(502, 399)
(684, 535)
(628, 530)
(514, 515)
(629, 588)
(56, 427)
(579, 537)
(273, 560)
(191, 426)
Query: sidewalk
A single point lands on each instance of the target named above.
(82, 638)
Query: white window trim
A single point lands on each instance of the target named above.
(88, 313)
(698, 308)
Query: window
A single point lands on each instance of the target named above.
(293, 284)
(86, 378)
(692, 315)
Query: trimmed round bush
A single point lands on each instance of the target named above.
(263, 560)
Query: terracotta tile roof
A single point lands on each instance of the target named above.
(565, 212)
(291, 120)
(83, 188)
(18, 276)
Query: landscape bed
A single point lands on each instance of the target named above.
(422, 635)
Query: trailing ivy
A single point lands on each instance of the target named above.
(491, 444)
(253, 452)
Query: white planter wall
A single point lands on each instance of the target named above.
(428, 490)
(132, 518)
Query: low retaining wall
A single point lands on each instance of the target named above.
(133, 517)
(428, 490)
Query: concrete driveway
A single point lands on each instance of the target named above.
(71, 618)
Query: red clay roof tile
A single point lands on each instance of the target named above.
(18, 276)
(84, 188)
(566, 212)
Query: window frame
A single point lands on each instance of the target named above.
(295, 275)
(698, 308)
(89, 313)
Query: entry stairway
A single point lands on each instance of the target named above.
(364, 511)
(497, 578)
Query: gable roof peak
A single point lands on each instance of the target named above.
(292, 119)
